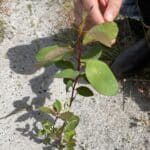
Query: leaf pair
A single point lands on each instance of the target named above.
(57, 107)
(105, 33)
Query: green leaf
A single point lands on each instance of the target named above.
(68, 83)
(74, 117)
(93, 52)
(105, 33)
(64, 64)
(66, 115)
(84, 91)
(71, 144)
(72, 123)
(47, 126)
(69, 135)
(67, 73)
(47, 110)
(59, 131)
(101, 78)
(51, 54)
(57, 106)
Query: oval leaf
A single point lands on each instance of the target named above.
(71, 125)
(66, 115)
(105, 33)
(47, 110)
(64, 64)
(74, 117)
(67, 73)
(84, 91)
(101, 78)
(57, 106)
(69, 135)
(68, 83)
(52, 54)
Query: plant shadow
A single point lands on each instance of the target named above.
(131, 89)
(22, 61)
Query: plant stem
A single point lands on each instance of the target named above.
(55, 123)
(78, 49)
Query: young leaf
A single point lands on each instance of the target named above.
(68, 83)
(73, 121)
(101, 78)
(66, 115)
(69, 135)
(52, 54)
(74, 117)
(71, 144)
(67, 73)
(84, 91)
(105, 33)
(93, 52)
(47, 110)
(59, 131)
(71, 125)
(57, 106)
(64, 64)
(47, 126)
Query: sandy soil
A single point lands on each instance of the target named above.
(107, 123)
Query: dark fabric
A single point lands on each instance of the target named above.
(137, 9)
(130, 9)
(132, 59)
(144, 6)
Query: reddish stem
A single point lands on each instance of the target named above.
(78, 49)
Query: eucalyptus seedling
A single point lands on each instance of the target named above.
(82, 60)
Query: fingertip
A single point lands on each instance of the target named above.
(96, 16)
(112, 10)
(108, 17)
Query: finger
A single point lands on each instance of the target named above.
(95, 14)
(103, 2)
(103, 5)
(112, 10)
(94, 17)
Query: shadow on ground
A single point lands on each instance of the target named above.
(22, 61)
(131, 89)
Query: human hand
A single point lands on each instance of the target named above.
(102, 11)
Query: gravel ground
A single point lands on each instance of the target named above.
(107, 123)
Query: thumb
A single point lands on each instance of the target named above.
(112, 9)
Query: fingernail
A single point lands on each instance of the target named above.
(109, 17)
